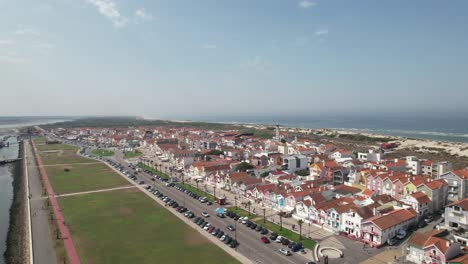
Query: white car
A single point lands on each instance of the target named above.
(222, 238)
(207, 226)
(244, 220)
(205, 214)
(285, 252)
(279, 239)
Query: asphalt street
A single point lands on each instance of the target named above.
(250, 244)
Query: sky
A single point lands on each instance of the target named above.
(185, 59)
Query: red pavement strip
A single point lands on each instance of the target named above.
(65, 233)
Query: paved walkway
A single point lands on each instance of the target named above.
(70, 164)
(42, 242)
(95, 191)
(65, 233)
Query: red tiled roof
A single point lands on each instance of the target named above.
(435, 184)
(463, 204)
(421, 197)
(463, 173)
(392, 219)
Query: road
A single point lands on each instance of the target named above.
(250, 244)
(43, 247)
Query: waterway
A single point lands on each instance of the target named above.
(8, 126)
(6, 189)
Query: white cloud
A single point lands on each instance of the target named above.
(27, 31)
(321, 32)
(306, 4)
(109, 9)
(255, 63)
(7, 42)
(142, 14)
(12, 58)
(210, 46)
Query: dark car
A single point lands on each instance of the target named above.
(227, 240)
(220, 234)
(253, 226)
(273, 236)
(259, 228)
(248, 224)
(231, 227)
(422, 224)
(209, 203)
(236, 217)
(141, 182)
(196, 219)
(234, 243)
(264, 231)
(175, 205)
(292, 244)
(215, 232)
(285, 241)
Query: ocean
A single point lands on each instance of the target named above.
(7, 127)
(441, 128)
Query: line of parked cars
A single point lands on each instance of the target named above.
(200, 221)
(293, 246)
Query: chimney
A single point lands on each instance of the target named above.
(447, 243)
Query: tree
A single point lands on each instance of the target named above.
(281, 215)
(248, 204)
(244, 166)
(300, 222)
(264, 174)
(283, 140)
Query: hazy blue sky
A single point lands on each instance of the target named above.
(173, 58)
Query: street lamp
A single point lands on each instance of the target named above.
(264, 217)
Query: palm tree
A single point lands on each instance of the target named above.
(300, 222)
(281, 214)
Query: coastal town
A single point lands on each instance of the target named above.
(416, 207)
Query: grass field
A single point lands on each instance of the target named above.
(40, 140)
(127, 227)
(240, 211)
(306, 243)
(60, 154)
(103, 152)
(83, 177)
(132, 154)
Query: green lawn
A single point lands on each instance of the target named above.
(132, 154)
(306, 243)
(40, 140)
(201, 193)
(103, 152)
(83, 177)
(60, 154)
(155, 171)
(240, 211)
(126, 226)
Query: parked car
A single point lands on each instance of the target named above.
(429, 218)
(234, 243)
(258, 228)
(285, 252)
(231, 227)
(279, 239)
(401, 234)
(220, 234)
(253, 226)
(227, 240)
(285, 241)
(205, 214)
(392, 241)
(273, 236)
(264, 231)
(265, 240)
